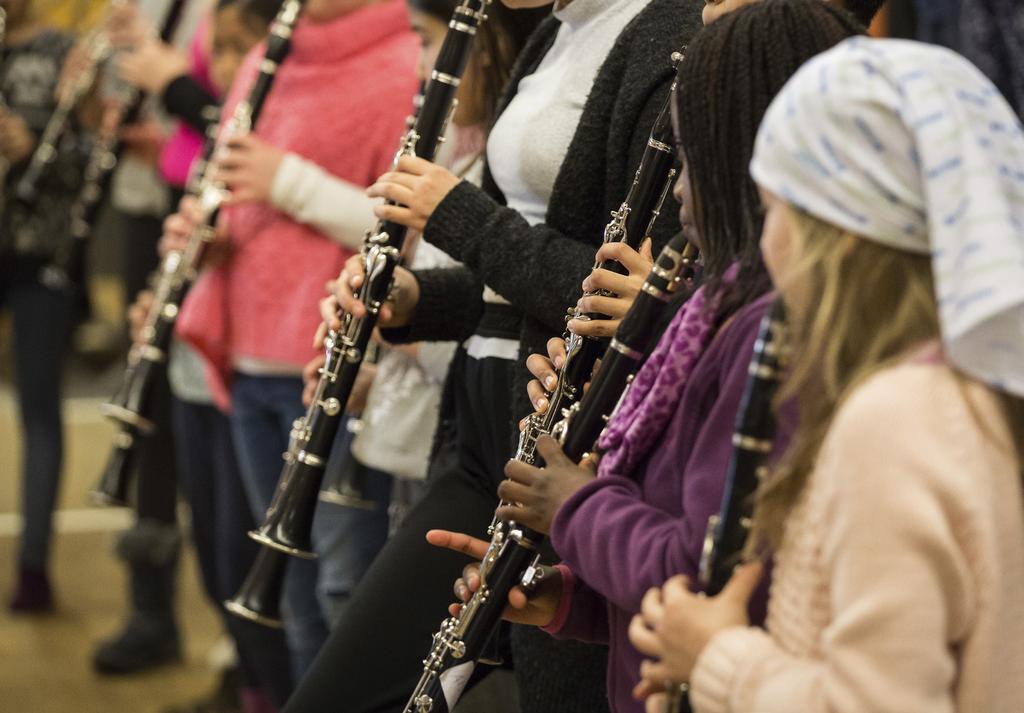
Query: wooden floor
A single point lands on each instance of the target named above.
(45, 661)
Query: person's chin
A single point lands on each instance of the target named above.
(692, 237)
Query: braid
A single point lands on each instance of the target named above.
(863, 10)
(732, 71)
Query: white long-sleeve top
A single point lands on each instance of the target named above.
(899, 586)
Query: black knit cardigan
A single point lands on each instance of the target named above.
(540, 268)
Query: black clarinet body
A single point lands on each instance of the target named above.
(728, 531)
(581, 426)
(348, 487)
(289, 519)
(67, 268)
(147, 360)
(630, 224)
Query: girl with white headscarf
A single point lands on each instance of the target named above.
(893, 179)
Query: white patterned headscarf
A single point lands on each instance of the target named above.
(911, 146)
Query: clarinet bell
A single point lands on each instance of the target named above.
(259, 599)
(112, 488)
(288, 525)
(348, 488)
(128, 403)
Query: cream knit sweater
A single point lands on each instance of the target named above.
(899, 587)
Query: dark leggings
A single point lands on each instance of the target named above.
(43, 322)
(220, 520)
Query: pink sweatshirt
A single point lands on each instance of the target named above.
(340, 99)
(899, 587)
(185, 143)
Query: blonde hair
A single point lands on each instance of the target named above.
(871, 304)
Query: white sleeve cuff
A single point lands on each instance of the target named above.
(340, 210)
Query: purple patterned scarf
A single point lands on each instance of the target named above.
(647, 408)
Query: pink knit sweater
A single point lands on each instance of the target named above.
(899, 587)
(340, 99)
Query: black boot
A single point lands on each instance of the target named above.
(150, 636)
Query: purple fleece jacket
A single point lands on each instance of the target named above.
(618, 536)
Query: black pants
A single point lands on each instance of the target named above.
(43, 322)
(220, 520)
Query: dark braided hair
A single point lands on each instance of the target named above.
(732, 71)
(863, 10)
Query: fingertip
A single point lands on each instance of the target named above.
(517, 599)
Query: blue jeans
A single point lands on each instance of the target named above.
(348, 539)
(345, 539)
(221, 517)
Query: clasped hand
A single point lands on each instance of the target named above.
(534, 495)
(417, 186)
(620, 290)
(247, 166)
(674, 625)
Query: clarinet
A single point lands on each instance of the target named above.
(130, 405)
(583, 424)
(67, 266)
(512, 556)
(630, 224)
(290, 516)
(729, 530)
(27, 188)
(348, 487)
